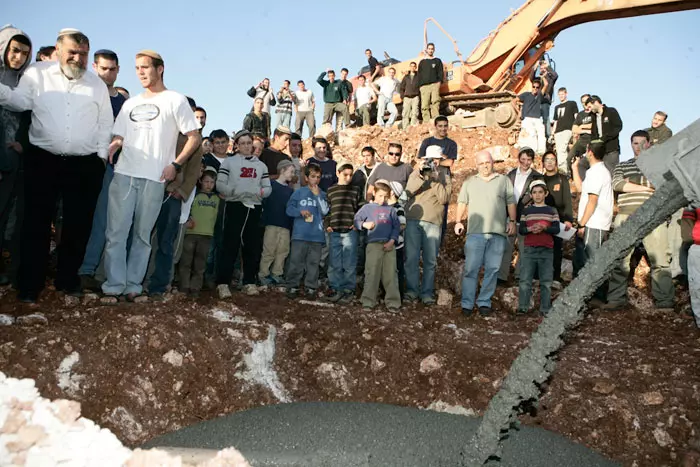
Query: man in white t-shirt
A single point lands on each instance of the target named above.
(595, 211)
(364, 98)
(388, 86)
(304, 106)
(146, 130)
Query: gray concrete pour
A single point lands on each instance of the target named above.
(353, 434)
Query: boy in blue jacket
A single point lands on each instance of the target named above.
(383, 226)
(307, 206)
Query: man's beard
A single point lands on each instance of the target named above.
(73, 71)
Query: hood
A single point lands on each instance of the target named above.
(7, 76)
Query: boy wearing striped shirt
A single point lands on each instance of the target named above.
(538, 224)
(344, 201)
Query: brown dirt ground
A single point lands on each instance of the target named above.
(626, 384)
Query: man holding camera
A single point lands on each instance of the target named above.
(428, 192)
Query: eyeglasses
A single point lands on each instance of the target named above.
(394, 153)
(535, 87)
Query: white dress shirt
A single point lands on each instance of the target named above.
(519, 184)
(69, 117)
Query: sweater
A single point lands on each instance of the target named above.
(628, 171)
(410, 87)
(344, 201)
(205, 208)
(430, 70)
(275, 206)
(546, 215)
(243, 179)
(311, 229)
(386, 222)
(329, 177)
(426, 199)
(332, 92)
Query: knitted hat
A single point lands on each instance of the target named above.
(68, 32)
(240, 134)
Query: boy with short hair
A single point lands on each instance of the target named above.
(306, 206)
(344, 200)
(538, 224)
(277, 226)
(382, 224)
(397, 201)
(200, 230)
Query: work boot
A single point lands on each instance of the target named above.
(292, 293)
(335, 298)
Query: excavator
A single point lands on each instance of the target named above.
(485, 85)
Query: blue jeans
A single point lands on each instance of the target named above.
(284, 119)
(544, 111)
(96, 243)
(481, 250)
(167, 228)
(343, 261)
(384, 104)
(421, 236)
(536, 259)
(136, 199)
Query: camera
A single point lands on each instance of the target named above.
(427, 167)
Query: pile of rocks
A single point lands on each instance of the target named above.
(37, 431)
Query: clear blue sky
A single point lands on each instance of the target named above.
(215, 50)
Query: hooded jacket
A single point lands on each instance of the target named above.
(9, 120)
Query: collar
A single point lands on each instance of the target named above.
(521, 173)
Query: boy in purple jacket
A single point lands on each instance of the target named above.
(382, 225)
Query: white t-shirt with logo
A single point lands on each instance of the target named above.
(597, 182)
(304, 99)
(150, 127)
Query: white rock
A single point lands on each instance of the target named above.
(260, 369)
(71, 301)
(68, 380)
(337, 374)
(444, 298)
(430, 364)
(662, 437)
(89, 298)
(567, 270)
(173, 357)
(31, 319)
(440, 406)
(6, 320)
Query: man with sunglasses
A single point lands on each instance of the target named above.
(532, 132)
(393, 170)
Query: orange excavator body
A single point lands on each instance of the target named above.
(501, 64)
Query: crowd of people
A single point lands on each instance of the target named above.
(146, 202)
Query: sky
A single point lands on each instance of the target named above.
(215, 50)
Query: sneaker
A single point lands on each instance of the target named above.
(90, 283)
(265, 280)
(393, 309)
(466, 312)
(157, 297)
(484, 310)
(310, 294)
(335, 297)
(521, 311)
(410, 298)
(429, 301)
(250, 289)
(292, 293)
(276, 280)
(223, 291)
(347, 299)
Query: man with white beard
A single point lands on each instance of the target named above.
(69, 137)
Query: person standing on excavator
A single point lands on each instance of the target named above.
(532, 128)
(375, 68)
(431, 74)
(659, 132)
(548, 77)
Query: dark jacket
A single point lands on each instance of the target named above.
(430, 70)
(525, 197)
(409, 86)
(659, 135)
(559, 196)
(256, 124)
(612, 126)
